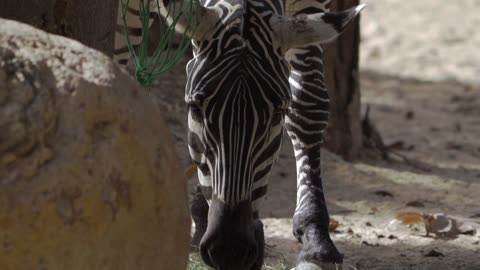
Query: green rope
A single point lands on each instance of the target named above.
(148, 69)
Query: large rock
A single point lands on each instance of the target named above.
(88, 174)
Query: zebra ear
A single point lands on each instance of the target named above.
(198, 20)
(315, 28)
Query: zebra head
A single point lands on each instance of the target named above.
(237, 94)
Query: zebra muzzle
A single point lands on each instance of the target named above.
(229, 242)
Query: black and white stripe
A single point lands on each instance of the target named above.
(257, 69)
(237, 92)
(246, 83)
(308, 114)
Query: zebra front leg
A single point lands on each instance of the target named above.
(199, 206)
(199, 210)
(305, 122)
(260, 239)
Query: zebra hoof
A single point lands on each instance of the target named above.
(319, 255)
(321, 266)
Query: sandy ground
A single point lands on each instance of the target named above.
(438, 121)
(428, 39)
(445, 177)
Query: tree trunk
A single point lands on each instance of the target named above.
(344, 135)
(91, 22)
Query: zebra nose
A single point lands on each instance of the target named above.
(229, 256)
(229, 242)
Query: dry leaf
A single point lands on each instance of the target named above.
(333, 225)
(410, 218)
(440, 224)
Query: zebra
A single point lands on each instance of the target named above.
(256, 71)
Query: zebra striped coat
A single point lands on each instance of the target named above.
(257, 70)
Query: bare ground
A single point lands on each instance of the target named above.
(443, 173)
(428, 39)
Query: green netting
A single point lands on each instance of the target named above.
(150, 68)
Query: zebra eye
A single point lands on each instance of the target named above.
(196, 99)
(195, 108)
(195, 112)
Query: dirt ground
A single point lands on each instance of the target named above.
(443, 173)
(428, 39)
(435, 118)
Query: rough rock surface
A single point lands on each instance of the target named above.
(88, 175)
